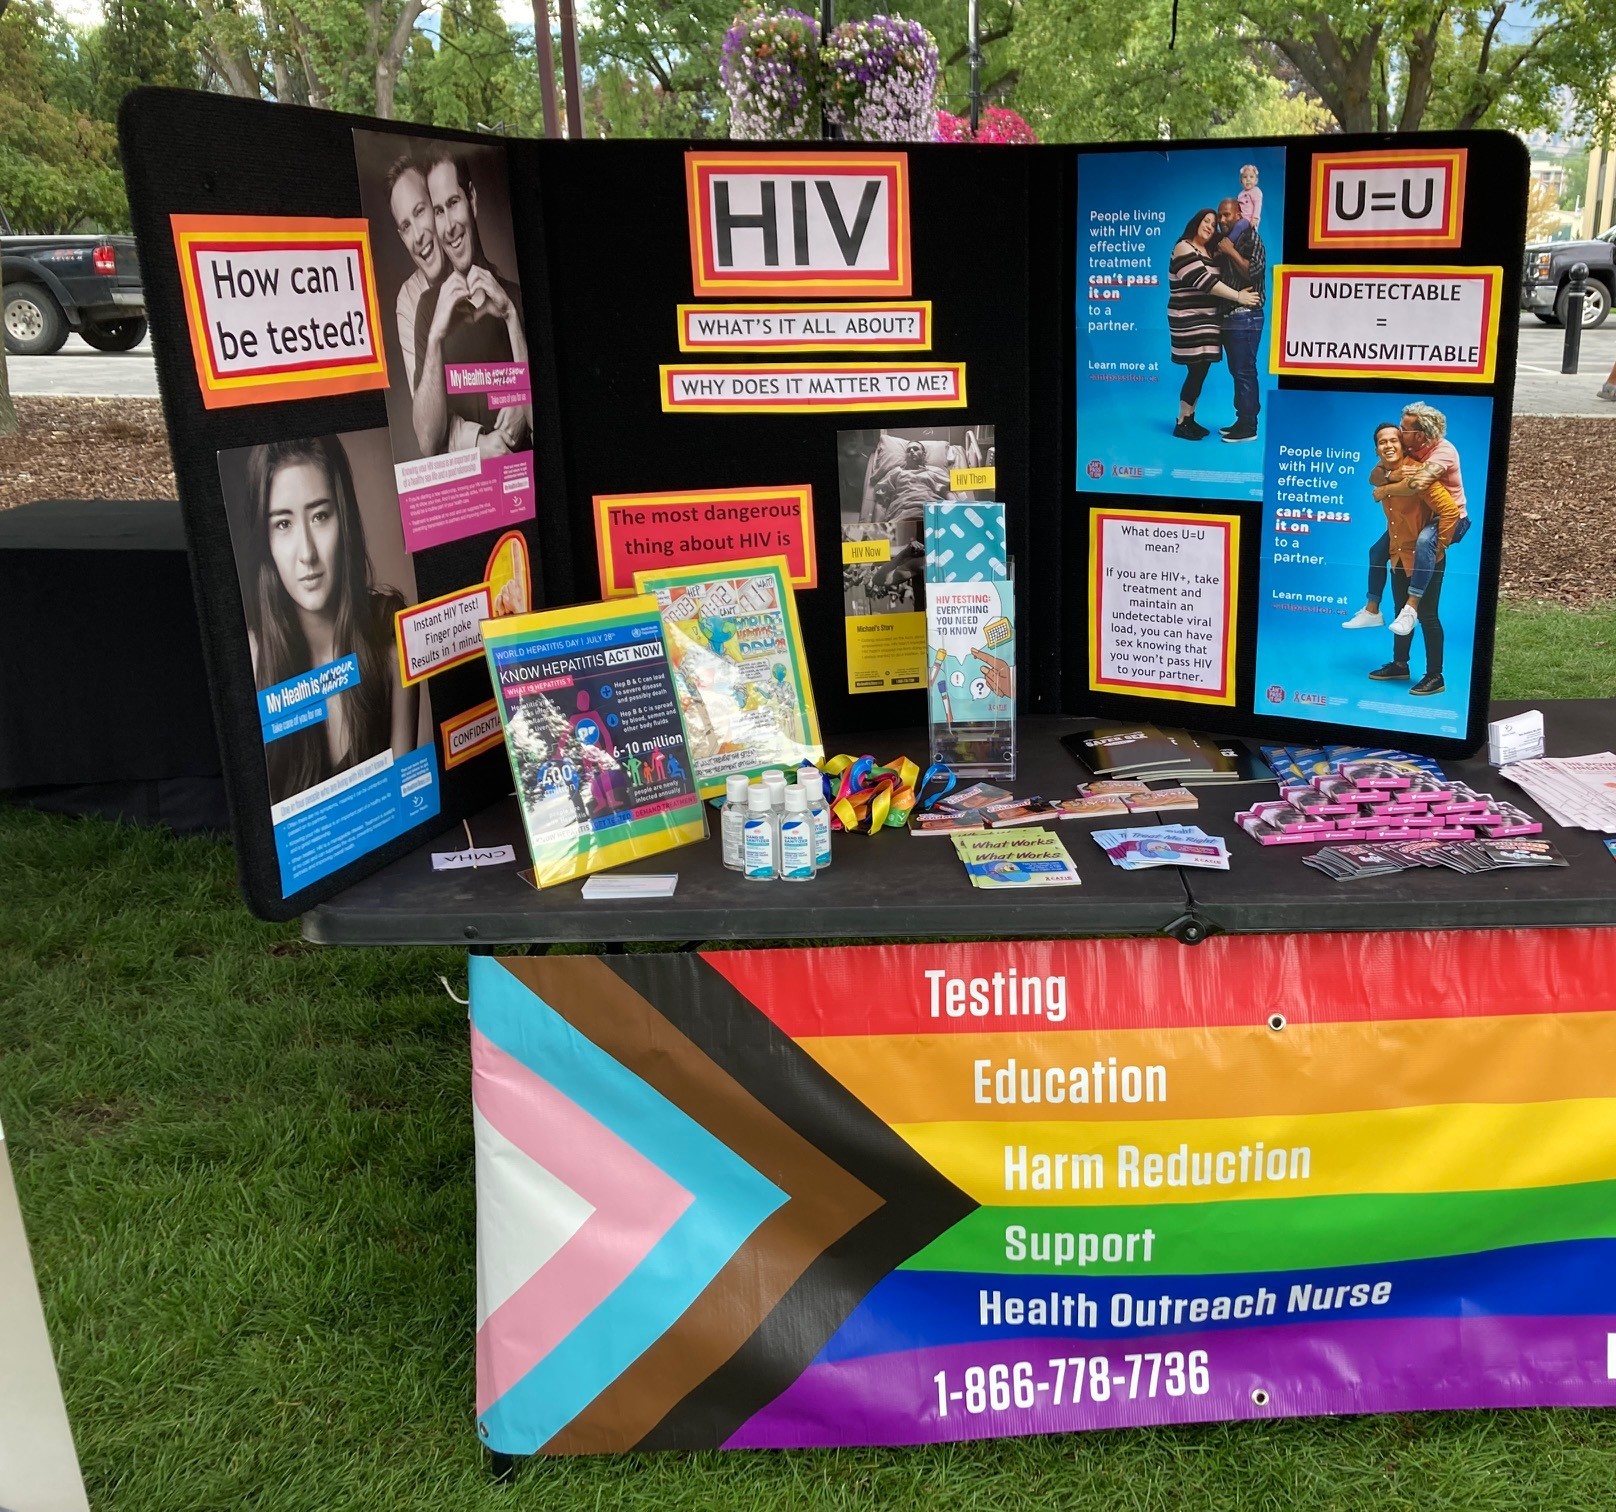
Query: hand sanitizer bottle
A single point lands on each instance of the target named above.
(761, 837)
(733, 820)
(797, 838)
(810, 780)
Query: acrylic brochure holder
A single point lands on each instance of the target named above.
(970, 639)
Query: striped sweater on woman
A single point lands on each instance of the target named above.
(1194, 312)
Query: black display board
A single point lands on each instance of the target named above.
(601, 237)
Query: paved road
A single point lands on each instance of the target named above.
(1540, 387)
(80, 369)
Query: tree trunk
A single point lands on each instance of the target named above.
(1340, 72)
(391, 57)
(232, 64)
(1421, 68)
(8, 415)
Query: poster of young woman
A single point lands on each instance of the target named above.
(1371, 554)
(320, 558)
(1173, 289)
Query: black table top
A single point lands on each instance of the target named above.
(1267, 889)
(884, 886)
(93, 525)
(895, 885)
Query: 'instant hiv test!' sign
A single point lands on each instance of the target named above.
(280, 308)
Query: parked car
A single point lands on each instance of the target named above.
(1545, 287)
(56, 284)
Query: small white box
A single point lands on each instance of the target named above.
(1518, 738)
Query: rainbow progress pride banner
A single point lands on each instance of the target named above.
(915, 1194)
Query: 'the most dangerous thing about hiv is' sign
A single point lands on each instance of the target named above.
(279, 308)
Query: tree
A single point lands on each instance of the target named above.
(1576, 181)
(1372, 65)
(1095, 71)
(1542, 212)
(479, 77)
(58, 164)
(656, 66)
(334, 54)
(8, 412)
(138, 42)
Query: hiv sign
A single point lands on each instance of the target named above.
(278, 309)
(918, 1194)
(788, 224)
(1388, 199)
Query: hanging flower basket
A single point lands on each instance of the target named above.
(880, 80)
(770, 71)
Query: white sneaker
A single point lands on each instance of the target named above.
(1364, 619)
(1407, 618)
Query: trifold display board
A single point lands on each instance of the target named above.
(1233, 396)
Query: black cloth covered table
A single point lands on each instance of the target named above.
(103, 695)
(884, 886)
(895, 885)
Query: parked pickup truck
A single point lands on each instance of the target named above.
(55, 284)
(1548, 273)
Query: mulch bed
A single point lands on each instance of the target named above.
(1559, 528)
(86, 449)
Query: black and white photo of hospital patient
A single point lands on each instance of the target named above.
(311, 599)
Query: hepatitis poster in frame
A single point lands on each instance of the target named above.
(920, 1194)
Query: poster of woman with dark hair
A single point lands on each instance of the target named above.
(321, 563)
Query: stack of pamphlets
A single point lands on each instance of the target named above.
(611, 887)
(959, 811)
(1125, 795)
(1016, 858)
(1578, 791)
(1165, 845)
(1297, 765)
(1347, 862)
(1154, 752)
(1379, 800)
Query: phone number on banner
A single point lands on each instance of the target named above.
(1024, 1384)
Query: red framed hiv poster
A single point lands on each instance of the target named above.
(1162, 593)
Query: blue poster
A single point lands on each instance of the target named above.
(1371, 559)
(1174, 252)
(320, 560)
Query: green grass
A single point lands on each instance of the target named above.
(245, 1164)
(1547, 652)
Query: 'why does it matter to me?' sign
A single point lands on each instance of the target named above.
(279, 308)
(1161, 604)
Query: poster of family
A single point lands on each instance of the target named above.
(1370, 568)
(1173, 287)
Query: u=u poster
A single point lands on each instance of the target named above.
(1068, 1185)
